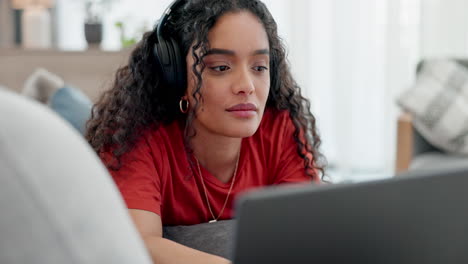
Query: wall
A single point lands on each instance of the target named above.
(444, 28)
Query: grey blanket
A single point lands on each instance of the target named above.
(215, 238)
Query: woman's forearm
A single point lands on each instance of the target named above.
(165, 251)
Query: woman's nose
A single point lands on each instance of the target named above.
(243, 82)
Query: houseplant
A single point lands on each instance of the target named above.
(94, 11)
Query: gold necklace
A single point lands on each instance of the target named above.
(215, 219)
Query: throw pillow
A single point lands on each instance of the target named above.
(73, 105)
(68, 102)
(438, 102)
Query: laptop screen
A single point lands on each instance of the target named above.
(417, 218)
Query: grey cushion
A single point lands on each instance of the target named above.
(438, 160)
(57, 202)
(215, 238)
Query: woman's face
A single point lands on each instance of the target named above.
(236, 80)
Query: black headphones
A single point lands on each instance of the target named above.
(167, 54)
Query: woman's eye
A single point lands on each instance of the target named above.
(260, 68)
(220, 68)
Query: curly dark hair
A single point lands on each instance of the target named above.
(139, 99)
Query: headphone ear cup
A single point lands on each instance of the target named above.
(171, 63)
(178, 70)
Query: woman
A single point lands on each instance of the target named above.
(181, 151)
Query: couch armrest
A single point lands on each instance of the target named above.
(404, 150)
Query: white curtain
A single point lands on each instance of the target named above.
(352, 58)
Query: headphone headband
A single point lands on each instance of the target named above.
(168, 56)
(165, 16)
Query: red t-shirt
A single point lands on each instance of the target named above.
(156, 174)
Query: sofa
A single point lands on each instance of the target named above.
(58, 203)
(414, 151)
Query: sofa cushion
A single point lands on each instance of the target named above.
(437, 160)
(215, 238)
(438, 102)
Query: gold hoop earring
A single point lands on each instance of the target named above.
(183, 109)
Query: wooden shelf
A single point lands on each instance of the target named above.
(91, 71)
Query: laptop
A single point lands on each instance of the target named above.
(415, 218)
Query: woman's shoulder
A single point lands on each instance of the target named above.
(162, 129)
(151, 143)
(162, 134)
(156, 140)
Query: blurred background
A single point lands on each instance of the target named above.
(352, 58)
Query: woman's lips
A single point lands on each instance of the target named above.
(243, 107)
(243, 110)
